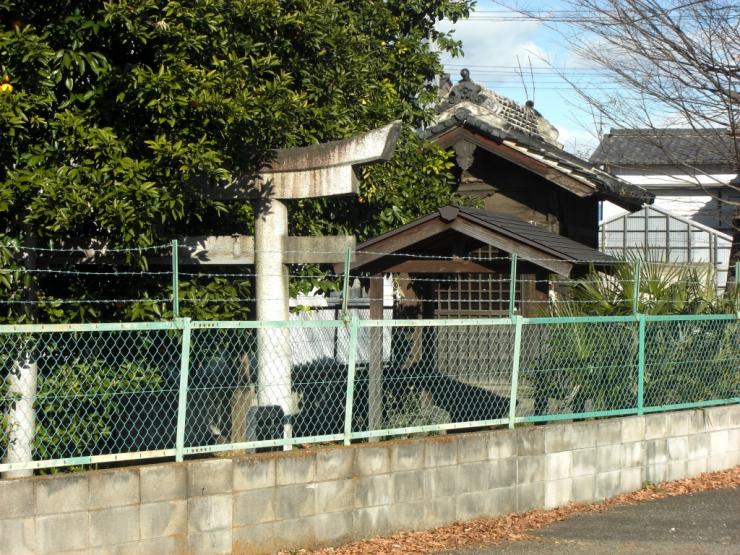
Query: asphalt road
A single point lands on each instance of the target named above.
(701, 523)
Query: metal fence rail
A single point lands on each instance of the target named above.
(93, 393)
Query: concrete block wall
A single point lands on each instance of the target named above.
(312, 497)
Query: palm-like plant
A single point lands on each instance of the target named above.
(594, 365)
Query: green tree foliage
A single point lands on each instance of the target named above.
(117, 106)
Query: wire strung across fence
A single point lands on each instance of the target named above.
(80, 394)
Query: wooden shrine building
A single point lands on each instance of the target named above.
(464, 242)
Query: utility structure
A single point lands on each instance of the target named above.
(327, 169)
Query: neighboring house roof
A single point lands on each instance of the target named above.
(665, 147)
(528, 140)
(502, 231)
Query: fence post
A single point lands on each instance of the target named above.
(641, 365)
(175, 281)
(345, 284)
(182, 397)
(515, 369)
(512, 286)
(351, 364)
(636, 288)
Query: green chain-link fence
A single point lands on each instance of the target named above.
(93, 393)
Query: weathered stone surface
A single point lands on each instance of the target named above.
(254, 507)
(657, 451)
(530, 441)
(607, 484)
(17, 536)
(567, 437)
(291, 535)
(698, 446)
(113, 488)
(164, 518)
(63, 532)
(472, 477)
(530, 469)
(334, 464)
(210, 477)
(216, 542)
(696, 422)
(558, 465)
(530, 496)
(584, 462)
(440, 482)
(371, 491)
(209, 512)
(656, 426)
(502, 500)
(633, 454)
(439, 511)
(130, 548)
(407, 516)
(558, 492)
(16, 498)
(502, 444)
(717, 418)
(630, 479)
(114, 526)
(656, 473)
(677, 470)
(442, 452)
(163, 482)
(407, 456)
(254, 540)
(472, 505)
(61, 494)
(584, 488)
(694, 467)
(295, 501)
(296, 469)
(253, 473)
(472, 448)
(609, 432)
(370, 521)
(164, 545)
(502, 473)
(678, 423)
(608, 457)
(633, 429)
(334, 496)
(678, 448)
(407, 486)
(371, 461)
(719, 442)
(333, 528)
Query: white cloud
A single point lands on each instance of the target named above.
(494, 43)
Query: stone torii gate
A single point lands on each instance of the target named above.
(322, 170)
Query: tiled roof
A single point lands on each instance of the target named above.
(549, 152)
(522, 231)
(655, 147)
(497, 110)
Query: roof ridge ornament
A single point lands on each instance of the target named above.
(466, 89)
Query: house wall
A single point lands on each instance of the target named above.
(697, 197)
(508, 188)
(312, 497)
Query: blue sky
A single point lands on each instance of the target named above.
(493, 38)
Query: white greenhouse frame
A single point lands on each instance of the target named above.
(668, 238)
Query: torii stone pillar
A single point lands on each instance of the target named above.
(327, 169)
